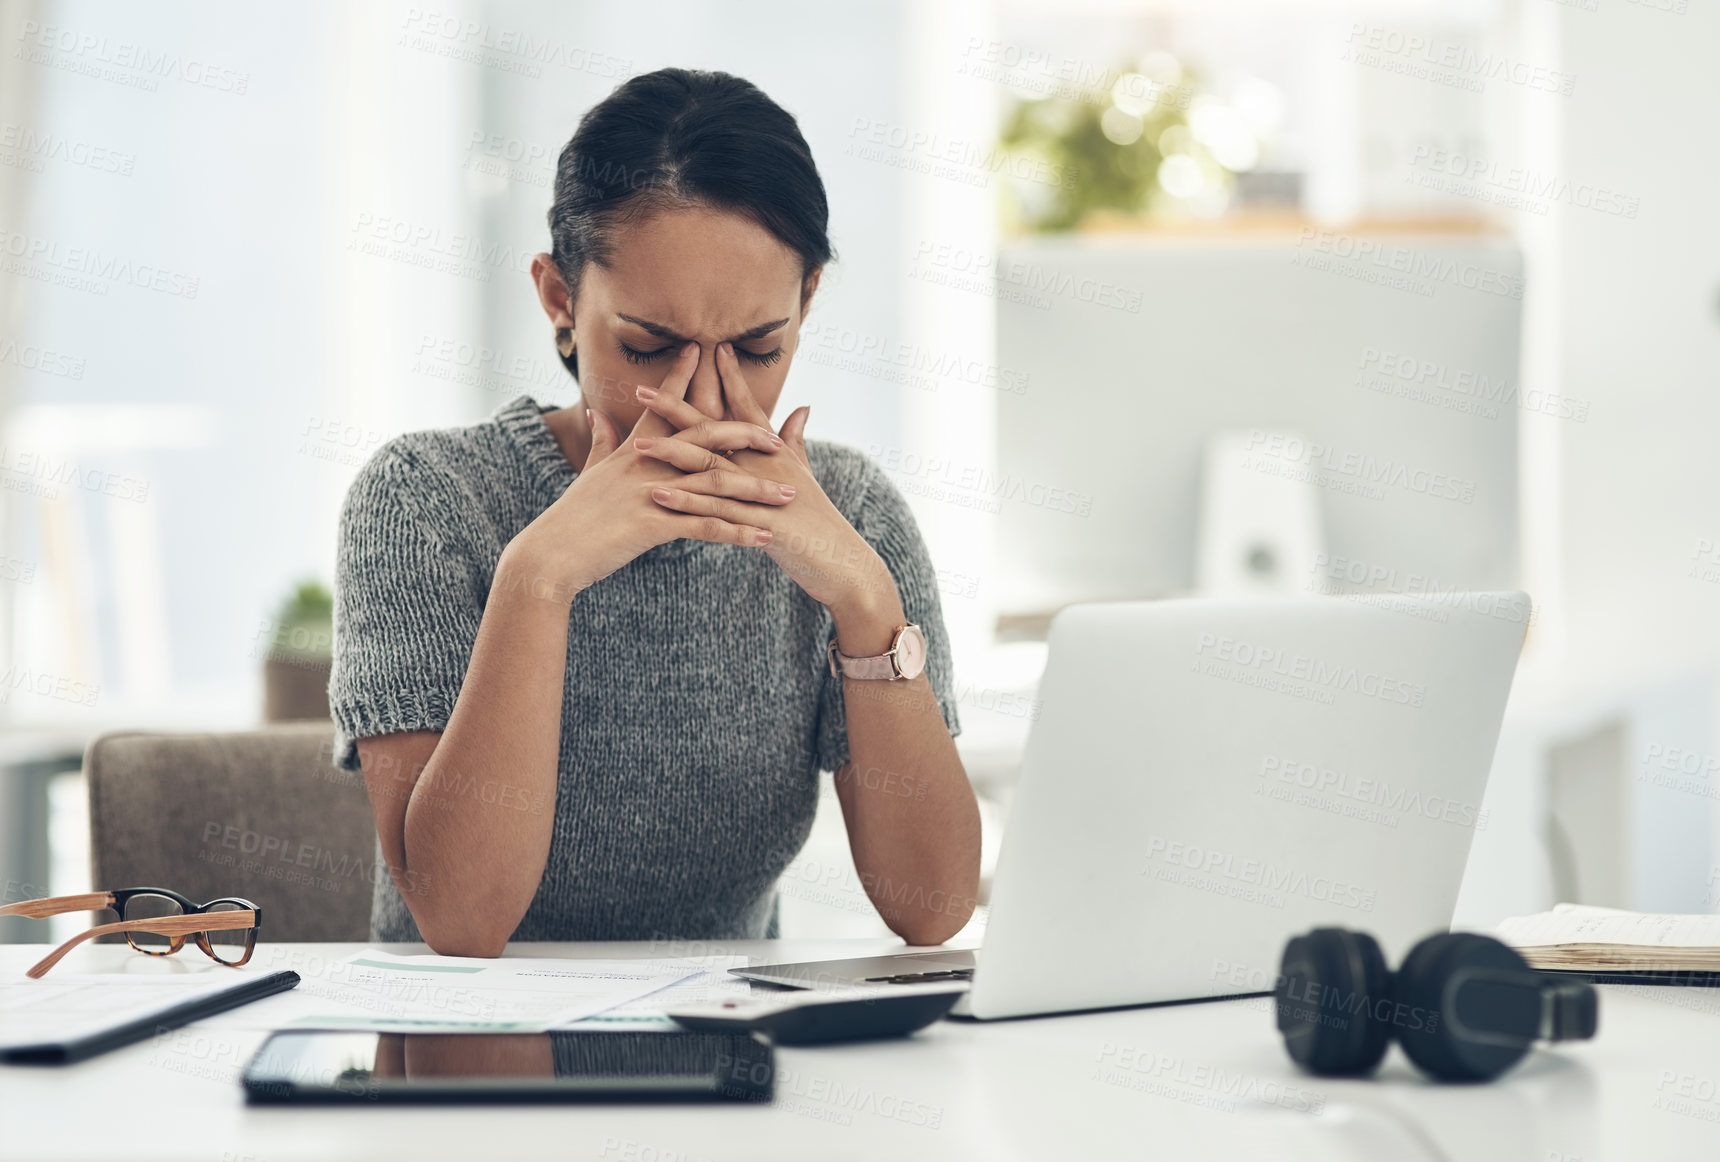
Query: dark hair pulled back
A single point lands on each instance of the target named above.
(681, 138)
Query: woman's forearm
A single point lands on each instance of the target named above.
(478, 823)
(912, 821)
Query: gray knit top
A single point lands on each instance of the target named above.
(698, 708)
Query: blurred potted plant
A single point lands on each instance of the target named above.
(1152, 146)
(298, 655)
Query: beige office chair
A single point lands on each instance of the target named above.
(263, 814)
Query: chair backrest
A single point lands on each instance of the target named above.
(261, 814)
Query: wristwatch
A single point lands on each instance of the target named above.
(905, 658)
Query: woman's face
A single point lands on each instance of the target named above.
(699, 275)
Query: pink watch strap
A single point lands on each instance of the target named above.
(878, 667)
(889, 666)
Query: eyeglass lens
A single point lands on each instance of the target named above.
(229, 944)
(151, 907)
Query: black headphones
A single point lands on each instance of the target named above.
(1463, 1006)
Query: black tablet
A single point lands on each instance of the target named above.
(319, 1066)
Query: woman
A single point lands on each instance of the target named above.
(584, 656)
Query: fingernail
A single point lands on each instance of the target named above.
(775, 440)
(787, 491)
(762, 537)
(644, 442)
(726, 349)
(661, 493)
(645, 393)
(588, 420)
(688, 348)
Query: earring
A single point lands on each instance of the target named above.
(564, 341)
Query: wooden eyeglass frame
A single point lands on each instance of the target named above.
(195, 921)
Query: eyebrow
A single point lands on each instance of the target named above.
(663, 332)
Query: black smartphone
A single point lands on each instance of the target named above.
(329, 1066)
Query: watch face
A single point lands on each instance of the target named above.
(911, 651)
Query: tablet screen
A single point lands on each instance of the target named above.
(601, 1066)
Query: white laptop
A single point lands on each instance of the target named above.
(1208, 778)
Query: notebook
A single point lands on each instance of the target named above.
(56, 1021)
(1616, 946)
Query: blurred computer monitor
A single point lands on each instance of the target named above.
(1380, 372)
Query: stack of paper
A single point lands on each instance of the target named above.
(383, 992)
(1606, 940)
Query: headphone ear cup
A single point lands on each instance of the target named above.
(1327, 981)
(1495, 1023)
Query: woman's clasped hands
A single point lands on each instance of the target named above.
(763, 483)
(683, 473)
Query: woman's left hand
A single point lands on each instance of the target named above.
(813, 542)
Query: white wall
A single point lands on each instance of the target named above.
(192, 281)
(1639, 336)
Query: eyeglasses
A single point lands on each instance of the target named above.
(155, 921)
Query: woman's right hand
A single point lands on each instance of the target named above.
(607, 516)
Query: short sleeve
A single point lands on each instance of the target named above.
(407, 604)
(888, 525)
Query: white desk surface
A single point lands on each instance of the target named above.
(1173, 1082)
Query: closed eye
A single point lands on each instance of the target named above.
(763, 359)
(634, 355)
